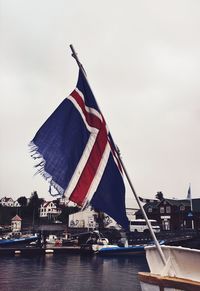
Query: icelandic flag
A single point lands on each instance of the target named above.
(78, 157)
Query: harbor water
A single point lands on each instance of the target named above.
(71, 273)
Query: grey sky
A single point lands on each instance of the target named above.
(143, 63)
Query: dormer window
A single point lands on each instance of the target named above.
(182, 208)
(162, 210)
(168, 209)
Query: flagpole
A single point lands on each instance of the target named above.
(143, 212)
(74, 55)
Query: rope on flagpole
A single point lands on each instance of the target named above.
(75, 56)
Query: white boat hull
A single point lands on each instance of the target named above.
(181, 272)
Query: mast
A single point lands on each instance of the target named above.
(74, 55)
(191, 205)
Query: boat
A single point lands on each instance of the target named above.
(181, 271)
(99, 245)
(119, 251)
(52, 239)
(94, 243)
(125, 250)
(16, 241)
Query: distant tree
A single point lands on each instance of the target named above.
(159, 196)
(100, 219)
(35, 201)
(22, 201)
(34, 205)
(57, 203)
(66, 211)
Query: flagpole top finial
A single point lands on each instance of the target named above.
(74, 54)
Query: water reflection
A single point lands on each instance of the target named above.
(70, 273)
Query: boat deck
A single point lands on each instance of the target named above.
(171, 283)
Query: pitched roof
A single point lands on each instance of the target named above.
(16, 218)
(174, 202)
(152, 204)
(45, 204)
(178, 202)
(6, 199)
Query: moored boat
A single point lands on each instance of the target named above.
(17, 241)
(52, 239)
(95, 242)
(119, 251)
(115, 250)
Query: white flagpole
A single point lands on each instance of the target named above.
(74, 54)
(144, 214)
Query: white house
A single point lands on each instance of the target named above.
(63, 201)
(83, 219)
(49, 210)
(66, 202)
(5, 201)
(16, 223)
(16, 204)
(130, 213)
(87, 219)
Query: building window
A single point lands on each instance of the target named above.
(168, 209)
(182, 208)
(162, 210)
(149, 209)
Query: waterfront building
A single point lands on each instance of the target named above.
(16, 223)
(8, 202)
(89, 218)
(49, 210)
(130, 212)
(83, 219)
(173, 214)
(16, 204)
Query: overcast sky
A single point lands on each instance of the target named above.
(143, 63)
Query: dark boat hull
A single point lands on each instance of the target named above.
(17, 241)
(122, 251)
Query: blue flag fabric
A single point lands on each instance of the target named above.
(78, 157)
